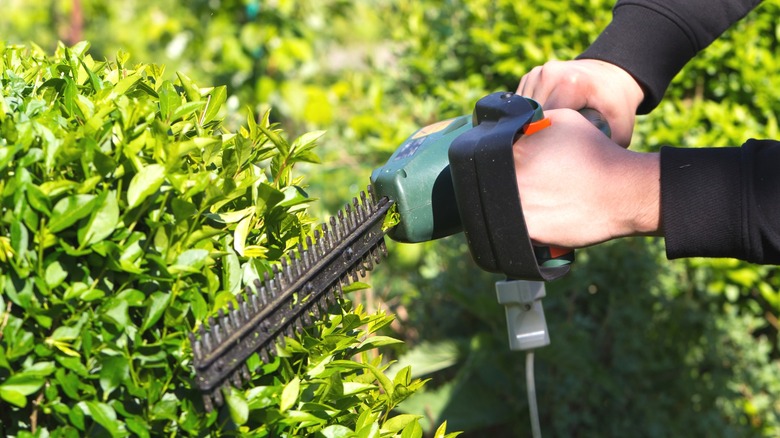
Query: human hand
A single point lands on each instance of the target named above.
(587, 83)
(579, 188)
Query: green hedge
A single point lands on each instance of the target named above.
(129, 217)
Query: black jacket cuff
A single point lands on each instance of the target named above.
(722, 202)
(701, 202)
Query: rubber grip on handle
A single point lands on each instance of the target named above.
(597, 119)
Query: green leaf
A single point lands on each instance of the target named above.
(38, 200)
(114, 370)
(186, 109)
(146, 182)
(66, 333)
(231, 272)
(412, 430)
(290, 394)
(19, 237)
(383, 380)
(403, 376)
(16, 388)
(94, 81)
(261, 397)
(293, 417)
(138, 426)
(42, 369)
(307, 140)
(368, 431)
(183, 210)
(216, 99)
(55, 274)
(76, 418)
(267, 197)
(190, 89)
(125, 84)
(280, 143)
(103, 414)
(69, 210)
(355, 286)
(303, 145)
(241, 233)
(441, 432)
(223, 298)
(103, 220)
(238, 406)
(376, 341)
(189, 261)
(69, 93)
(399, 422)
(116, 311)
(336, 431)
(366, 419)
(155, 307)
(351, 388)
(169, 100)
(13, 396)
(230, 217)
(294, 195)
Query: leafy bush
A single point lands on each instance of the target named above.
(129, 216)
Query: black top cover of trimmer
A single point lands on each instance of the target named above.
(483, 176)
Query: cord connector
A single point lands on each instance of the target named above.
(522, 301)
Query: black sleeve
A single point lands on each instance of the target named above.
(653, 39)
(722, 202)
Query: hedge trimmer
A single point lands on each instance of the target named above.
(451, 176)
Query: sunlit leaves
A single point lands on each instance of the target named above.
(16, 388)
(290, 394)
(102, 221)
(122, 190)
(70, 209)
(338, 391)
(145, 183)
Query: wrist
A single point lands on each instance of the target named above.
(638, 196)
(629, 89)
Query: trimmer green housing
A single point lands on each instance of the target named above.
(417, 177)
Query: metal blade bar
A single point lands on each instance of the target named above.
(349, 246)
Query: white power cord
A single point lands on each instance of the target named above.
(536, 428)
(527, 328)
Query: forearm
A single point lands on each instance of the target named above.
(579, 188)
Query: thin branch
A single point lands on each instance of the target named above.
(4, 322)
(772, 319)
(34, 415)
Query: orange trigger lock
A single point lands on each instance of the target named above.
(534, 127)
(556, 252)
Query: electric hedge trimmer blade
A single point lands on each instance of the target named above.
(282, 304)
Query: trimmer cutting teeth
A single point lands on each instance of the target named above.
(279, 305)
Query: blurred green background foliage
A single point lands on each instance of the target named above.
(641, 346)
